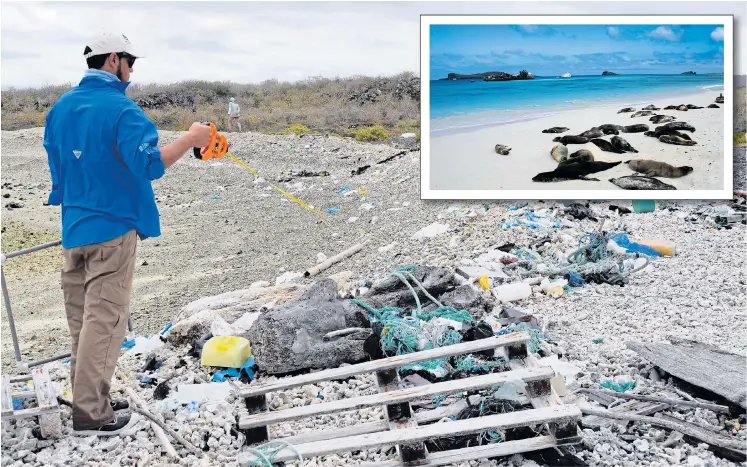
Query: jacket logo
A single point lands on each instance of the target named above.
(77, 154)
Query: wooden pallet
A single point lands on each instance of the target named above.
(406, 430)
(47, 409)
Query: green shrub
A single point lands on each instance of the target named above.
(371, 133)
(739, 139)
(298, 129)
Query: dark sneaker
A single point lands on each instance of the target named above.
(119, 405)
(120, 423)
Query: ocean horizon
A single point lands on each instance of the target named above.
(461, 105)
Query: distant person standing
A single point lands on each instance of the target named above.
(234, 112)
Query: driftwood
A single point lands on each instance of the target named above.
(333, 260)
(701, 365)
(667, 400)
(709, 438)
(158, 427)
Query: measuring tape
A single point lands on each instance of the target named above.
(288, 195)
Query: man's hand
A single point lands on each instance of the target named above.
(199, 135)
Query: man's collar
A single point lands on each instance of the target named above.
(107, 77)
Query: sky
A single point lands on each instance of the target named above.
(250, 42)
(551, 50)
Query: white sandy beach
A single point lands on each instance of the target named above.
(467, 161)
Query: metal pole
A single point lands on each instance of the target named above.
(12, 323)
(32, 249)
(47, 360)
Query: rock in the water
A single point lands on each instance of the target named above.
(291, 337)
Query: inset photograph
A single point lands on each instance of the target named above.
(568, 107)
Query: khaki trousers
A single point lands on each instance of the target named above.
(233, 124)
(96, 284)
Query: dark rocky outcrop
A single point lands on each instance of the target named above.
(490, 76)
(609, 73)
(689, 73)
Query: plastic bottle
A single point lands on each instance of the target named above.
(664, 247)
(513, 292)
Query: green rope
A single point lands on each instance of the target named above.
(265, 454)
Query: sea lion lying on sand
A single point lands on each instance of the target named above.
(720, 99)
(651, 107)
(661, 119)
(693, 106)
(574, 170)
(502, 150)
(642, 113)
(626, 109)
(672, 139)
(582, 155)
(592, 133)
(571, 139)
(605, 145)
(662, 130)
(635, 128)
(670, 107)
(610, 132)
(683, 108)
(713, 106)
(637, 182)
(651, 168)
(556, 129)
(621, 144)
(610, 126)
(559, 152)
(678, 126)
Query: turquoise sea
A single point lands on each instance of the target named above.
(463, 105)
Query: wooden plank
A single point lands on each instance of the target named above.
(32, 412)
(436, 430)
(323, 435)
(630, 407)
(403, 395)
(423, 417)
(386, 363)
(701, 365)
(486, 451)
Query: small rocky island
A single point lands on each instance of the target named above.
(490, 76)
(609, 73)
(689, 73)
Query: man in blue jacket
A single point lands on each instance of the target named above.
(103, 154)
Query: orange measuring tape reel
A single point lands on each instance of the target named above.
(217, 148)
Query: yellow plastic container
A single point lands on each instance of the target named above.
(484, 282)
(664, 247)
(226, 352)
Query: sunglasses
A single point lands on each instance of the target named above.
(130, 59)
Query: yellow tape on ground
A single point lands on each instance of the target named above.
(288, 195)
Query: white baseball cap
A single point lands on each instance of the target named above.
(107, 42)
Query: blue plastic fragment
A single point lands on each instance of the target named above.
(17, 404)
(220, 376)
(128, 344)
(332, 210)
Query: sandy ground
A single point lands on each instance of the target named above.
(467, 161)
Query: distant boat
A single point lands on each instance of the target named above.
(565, 75)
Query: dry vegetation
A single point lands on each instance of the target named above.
(366, 108)
(740, 117)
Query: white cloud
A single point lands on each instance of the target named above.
(613, 31)
(718, 35)
(255, 41)
(665, 33)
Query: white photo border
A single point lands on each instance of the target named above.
(426, 192)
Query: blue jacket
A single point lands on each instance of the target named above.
(103, 154)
